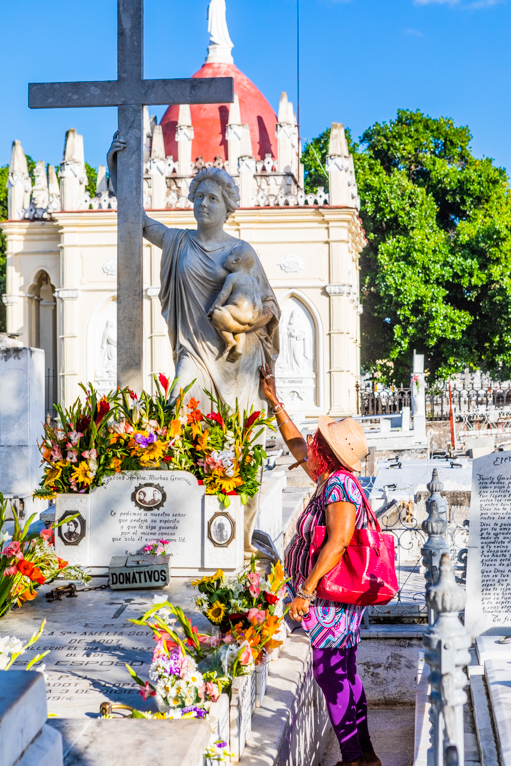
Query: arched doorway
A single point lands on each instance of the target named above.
(43, 333)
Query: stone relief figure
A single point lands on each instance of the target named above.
(192, 275)
(109, 349)
(296, 345)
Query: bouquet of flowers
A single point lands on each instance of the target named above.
(28, 560)
(189, 669)
(121, 432)
(245, 608)
(155, 548)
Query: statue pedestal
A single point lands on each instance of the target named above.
(132, 509)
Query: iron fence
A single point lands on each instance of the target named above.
(468, 398)
(387, 401)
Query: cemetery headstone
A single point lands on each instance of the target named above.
(132, 509)
(488, 610)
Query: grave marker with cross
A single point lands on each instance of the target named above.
(130, 93)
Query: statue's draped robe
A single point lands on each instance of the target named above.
(191, 278)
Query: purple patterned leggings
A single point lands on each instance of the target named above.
(335, 670)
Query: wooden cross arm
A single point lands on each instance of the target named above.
(197, 90)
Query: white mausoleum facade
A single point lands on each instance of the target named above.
(61, 245)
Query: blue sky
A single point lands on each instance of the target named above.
(361, 60)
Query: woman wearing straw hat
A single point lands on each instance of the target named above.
(329, 458)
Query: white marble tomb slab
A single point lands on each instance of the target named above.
(131, 509)
(488, 648)
(488, 610)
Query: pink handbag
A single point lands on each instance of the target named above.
(366, 574)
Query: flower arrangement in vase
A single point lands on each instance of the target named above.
(28, 560)
(122, 432)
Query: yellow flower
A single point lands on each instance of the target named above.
(52, 474)
(228, 484)
(153, 453)
(116, 463)
(196, 429)
(216, 613)
(174, 428)
(49, 495)
(81, 474)
(219, 575)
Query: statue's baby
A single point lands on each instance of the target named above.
(241, 289)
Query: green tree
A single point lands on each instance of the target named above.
(92, 176)
(435, 275)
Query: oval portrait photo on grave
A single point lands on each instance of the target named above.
(72, 532)
(149, 497)
(221, 529)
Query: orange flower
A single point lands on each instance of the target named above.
(114, 438)
(116, 463)
(193, 404)
(27, 595)
(202, 441)
(194, 417)
(174, 428)
(25, 567)
(37, 576)
(196, 429)
(63, 564)
(47, 454)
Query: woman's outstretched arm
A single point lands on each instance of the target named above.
(153, 231)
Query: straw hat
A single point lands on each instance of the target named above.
(346, 439)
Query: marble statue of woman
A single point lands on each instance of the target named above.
(192, 275)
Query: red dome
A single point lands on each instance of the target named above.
(210, 120)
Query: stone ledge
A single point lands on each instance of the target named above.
(45, 750)
(23, 712)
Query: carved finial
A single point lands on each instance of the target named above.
(435, 485)
(220, 44)
(446, 596)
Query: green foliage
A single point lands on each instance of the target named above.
(92, 176)
(435, 275)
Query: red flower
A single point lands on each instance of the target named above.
(63, 564)
(82, 424)
(103, 408)
(132, 394)
(25, 567)
(217, 418)
(251, 420)
(167, 459)
(271, 598)
(37, 575)
(164, 382)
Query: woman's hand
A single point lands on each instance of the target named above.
(298, 609)
(268, 384)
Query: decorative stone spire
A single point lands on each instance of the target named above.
(287, 136)
(233, 135)
(184, 136)
(101, 182)
(246, 168)
(338, 167)
(40, 189)
(18, 183)
(54, 204)
(72, 174)
(157, 168)
(220, 44)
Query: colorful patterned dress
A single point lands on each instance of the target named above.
(328, 624)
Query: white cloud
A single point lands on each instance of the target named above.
(414, 33)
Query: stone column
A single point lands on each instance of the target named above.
(67, 309)
(72, 173)
(157, 167)
(18, 183)
(285, 135)
(233, 135)
(418, 386)
(342, 401)
(184, 136)
(13, 298)
(246, 169)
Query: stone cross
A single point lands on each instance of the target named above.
(130, 93)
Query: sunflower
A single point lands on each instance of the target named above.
(216, 613)
(52, 474)
(229, 483)
(81, 474)
(153, 453)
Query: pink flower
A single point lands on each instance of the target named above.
(212, 691)
(246, 656)
(253, 578)
(90, 453)
(254, 590)
(56, 453)
(71, 456)
(13, 549)
(10, 571)
(228, 638)
(46, 533)
(201, 692)
(258, 615)
(147, 691)
(74, 437)
(282, 592)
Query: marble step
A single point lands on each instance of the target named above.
(482, 717)
(498, 678)
(24, 736)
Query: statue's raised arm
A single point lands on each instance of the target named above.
(153, 230)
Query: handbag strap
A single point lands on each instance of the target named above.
(365, 501)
